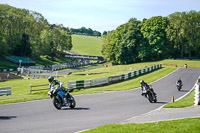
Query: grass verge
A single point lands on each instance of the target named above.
(21, 88)
(129, 84)
(185, 102)
(189, 125)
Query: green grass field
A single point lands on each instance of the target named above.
(21, 88)
(43, 61)
(185, 102)
(87, 45)
(189, 125)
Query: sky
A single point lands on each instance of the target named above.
(102, 15)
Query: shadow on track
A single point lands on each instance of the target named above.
(184, 90)
(78, 108)
(161, 103)
(7, 117)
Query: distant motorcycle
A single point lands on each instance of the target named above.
(61, 99)
(179, 86)
(149, 94)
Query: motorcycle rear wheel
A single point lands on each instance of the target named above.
(72, 102)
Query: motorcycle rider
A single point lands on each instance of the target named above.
(145, 86)
(53, 83)
(179, 82)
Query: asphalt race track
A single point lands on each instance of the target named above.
(92, 110)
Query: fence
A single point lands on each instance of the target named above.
(5, 91)
(8, 70)
(108, 80)
(71, 85)
(37, 86)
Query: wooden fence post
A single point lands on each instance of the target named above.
(30, 88)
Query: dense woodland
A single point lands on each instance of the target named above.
(27, 33)
(175, 36)
(85, 31)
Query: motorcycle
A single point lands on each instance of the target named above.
(179, 86)
(149, 94)
(61, 99)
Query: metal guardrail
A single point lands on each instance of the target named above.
(5, 91)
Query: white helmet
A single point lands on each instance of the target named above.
(142, 81)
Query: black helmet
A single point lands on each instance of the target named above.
(51, 78)
(142, 81)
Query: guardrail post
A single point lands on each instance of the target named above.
(30, 88)
(196, 95)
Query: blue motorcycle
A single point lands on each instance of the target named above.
(62, 98)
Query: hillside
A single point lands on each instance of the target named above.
(87, 45)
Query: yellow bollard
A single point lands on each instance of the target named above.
(172, 99)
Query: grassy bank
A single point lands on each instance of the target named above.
(190, 125)
(87, 45)
(185, 102)
(21, 88)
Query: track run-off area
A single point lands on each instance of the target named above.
(92, 110)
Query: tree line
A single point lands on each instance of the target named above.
(28, 33)
(85, 31)
(175, 36)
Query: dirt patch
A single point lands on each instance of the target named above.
(8, 76)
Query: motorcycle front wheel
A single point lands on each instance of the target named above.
(179, 88)
(150, 97)
(57, 102)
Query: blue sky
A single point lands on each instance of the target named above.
(102, 15)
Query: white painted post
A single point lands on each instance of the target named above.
(56, 74)
(196, 95)
(30, 88)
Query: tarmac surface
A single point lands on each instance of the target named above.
(166, 114)
(93, 110)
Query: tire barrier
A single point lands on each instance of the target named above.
(109, 80)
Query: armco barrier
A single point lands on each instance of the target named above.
(5, 91)
(101, 81)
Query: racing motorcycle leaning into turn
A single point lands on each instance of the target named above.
(61, 98)
(148, 92)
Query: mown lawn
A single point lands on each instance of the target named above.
(185, 102)
(21, 88)
(189, 125)
(87, 45)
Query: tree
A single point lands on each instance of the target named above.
(120, 45)
(153, 30)
(192, 30)
(176, 31)
(105, 33)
